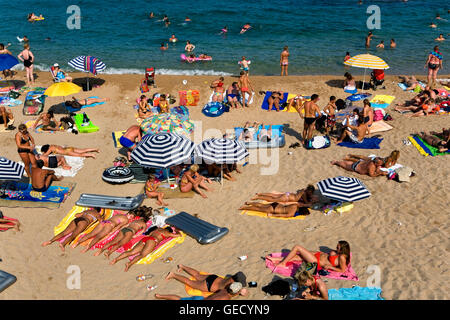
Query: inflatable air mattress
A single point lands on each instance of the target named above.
(90, 127)
(110, 202)
(6, 280)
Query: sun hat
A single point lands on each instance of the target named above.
(240, 277)
(235, 287)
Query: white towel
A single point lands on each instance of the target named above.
(75, 162)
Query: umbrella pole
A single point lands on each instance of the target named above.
(364, 79)
(167, 172)
(87, 82)
(221, 174)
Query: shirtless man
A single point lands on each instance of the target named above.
(381, 45)
(52, 161)
(189, 46)
(233, 96)
(244, 84)
(371, 168)
(49, 123)
(47, 149)
(41, 179)
(244, 64)
(284, 61)
(311, 113)
(217, 85)
(130, 138)
(368, 39)
(357, 133)
(434, 64)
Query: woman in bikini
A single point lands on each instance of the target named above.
(105, 228)
(81, 222)
(316, 287)
(163, 104)
(151, 187)
(68, 151)
(275, 99)
(191, 179)
(75, 103)
(147, 245)
(27, 57)
(433, 63)
(25, 148)
(335, 260)
(205, 282)
(304, 195)
(282, 210)
(144, 110)
(125, 234)
(217, 85)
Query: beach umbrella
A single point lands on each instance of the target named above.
(221, 151)
(343, 189)
(162, 150)
(167, 122)
(87, 64)
(7, 61)
(366, 61)
(10, 170)
(62, 89)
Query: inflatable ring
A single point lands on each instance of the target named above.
(118, 175)
(214, 109)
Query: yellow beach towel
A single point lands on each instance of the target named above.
(382, 99)
(116, 137)
(162, 249)
(195, 292)
(292, 109)
(264, 215)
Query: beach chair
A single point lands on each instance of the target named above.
(53, 73)
(204, 232)
(149, 80)
(6, 280)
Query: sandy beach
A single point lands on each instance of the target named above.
(402, 228)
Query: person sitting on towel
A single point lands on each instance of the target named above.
(41, 179)
(370, 167)
(151, 187)
(6, 118)
(191, 179)
(233, 95)
(52, 161)
(49, 122)
(130, 138)
(217, 85)
(357, 133)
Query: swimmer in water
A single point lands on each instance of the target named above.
(151, 15)
(167, 22)
(164, 47)
(438, 17)
(224, 30)
(433, 25)
(245, 28)
(173, 38)
(440, 38)
(24, 39)
(368, 39)
(189, 46)
(393, 44)
(347, 56)
(381, 45)
(187, 19)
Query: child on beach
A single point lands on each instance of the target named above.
(330, 111)
(244, 64)
(151, 186)
(144, 110)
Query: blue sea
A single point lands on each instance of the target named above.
(318, 33)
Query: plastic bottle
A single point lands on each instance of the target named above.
(242, 258)
(85, 119)
(142, 277)
(150, 288)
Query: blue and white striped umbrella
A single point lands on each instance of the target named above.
(87, 64)
(10, 170)
(221, 151)
(343, 189)
(163, 150)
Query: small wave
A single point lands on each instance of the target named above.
(192, 72)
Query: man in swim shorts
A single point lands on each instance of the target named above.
(356, 134)
(244, 64)
(244, 84)
(284, 61)
(233, 95)
(129, 139)
(312, 111)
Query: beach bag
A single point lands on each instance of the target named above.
(277, 288)
(318, 142)
(387, 117)
(378, 115)
(311, 267)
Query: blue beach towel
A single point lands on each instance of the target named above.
(70, 109)
(368, 143)
(276, 131)
(355, 293)
(15, 190)
(265, 104)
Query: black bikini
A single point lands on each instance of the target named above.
(209, 281)
(23, 150)
(52, 162)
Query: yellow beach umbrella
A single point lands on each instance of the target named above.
(62, 89)
(366, 61)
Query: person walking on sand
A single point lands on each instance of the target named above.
(27, 57)
(244, 84)
(434, 63)
(311, 112)
(284, 61)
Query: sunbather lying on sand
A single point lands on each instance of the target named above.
(432, 140)
(125, 234)
(411, 82)
(303, 195)
(276, 209)
(206, 282)
(9, 224)
(77, 104)
(147, 245)
(230, 291)
(335, 260)
(388, 161)
(81, 222)
(47, 149)
(365, 167)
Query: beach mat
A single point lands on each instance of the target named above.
(6, 280)
(70, 109)
(381, 101)
(368, 143)
(195, 292)
(264, 215)
(19, 194)
(265, 104)
(116, 135)
(424, 148)
(175, 193)
(380, 126)
(355, 293)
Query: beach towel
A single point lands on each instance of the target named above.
(265, 104)
(39, 128)
(424, 148)
(76, 163)
(276, 137)
(195, 292)
(381, 101)
(355, 293)
(403, 86)
(70, 109)
(264, 215)
(7, 223)
(21, 191)
(368, 143)
(116, 135)
(380, 126)
(9, 102)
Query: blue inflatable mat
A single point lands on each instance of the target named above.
(6, 280)
(277, 141)
(265, 104)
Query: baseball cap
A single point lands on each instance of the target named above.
(56, 65)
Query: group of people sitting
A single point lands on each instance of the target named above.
(52, 156)
(145, 111)
(235, 93)
(423, 104)
(126, 226)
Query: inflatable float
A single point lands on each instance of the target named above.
(118, 175)
(189, 59)
(318, 142)
(214, 109)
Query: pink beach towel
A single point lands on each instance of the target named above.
(292, 267)
(7, 223)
